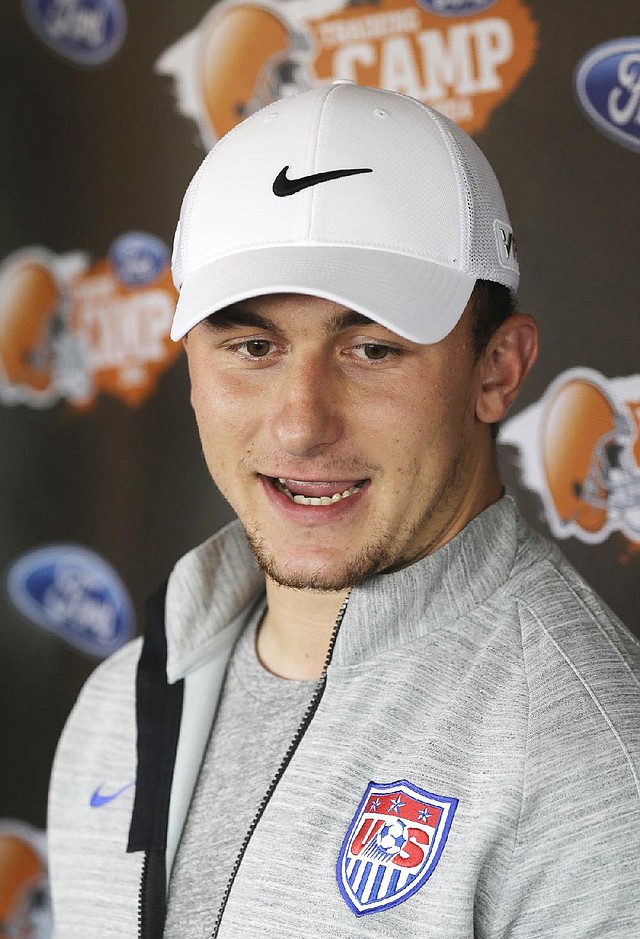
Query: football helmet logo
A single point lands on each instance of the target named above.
(589, 448)
(248, 56)
(24, 895)
(41, 359)
(29, 304)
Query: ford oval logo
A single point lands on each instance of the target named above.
(456, 7)
(88, 32)
(138, 258)
(607, 84)
(74, 593)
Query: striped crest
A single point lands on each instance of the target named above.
(393, 845)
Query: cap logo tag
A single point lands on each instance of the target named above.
(283, 186)
(506, 245)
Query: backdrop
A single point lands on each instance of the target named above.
(107, 108)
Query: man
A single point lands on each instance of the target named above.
(378, 705)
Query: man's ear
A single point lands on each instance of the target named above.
(504, 365)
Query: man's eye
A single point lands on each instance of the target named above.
(257, 348)
(374, 350)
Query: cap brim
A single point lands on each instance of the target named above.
(414, 298)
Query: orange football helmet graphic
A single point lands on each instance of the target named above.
(29, 301)
(248, 57)
(591, 474)
(24, 901)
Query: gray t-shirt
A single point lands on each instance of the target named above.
(257, 718)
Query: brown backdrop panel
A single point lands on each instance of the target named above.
(99, 448)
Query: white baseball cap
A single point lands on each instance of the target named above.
(361, 196)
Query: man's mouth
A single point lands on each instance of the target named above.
(317, 492)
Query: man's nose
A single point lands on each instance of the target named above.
(308, 413)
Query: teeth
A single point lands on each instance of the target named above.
(317, 500)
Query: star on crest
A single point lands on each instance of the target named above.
(396, 804)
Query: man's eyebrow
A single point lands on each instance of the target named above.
(233, 316)
(346, 320)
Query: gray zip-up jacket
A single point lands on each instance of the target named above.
(470, 767)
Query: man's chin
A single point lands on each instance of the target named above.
(319, 575)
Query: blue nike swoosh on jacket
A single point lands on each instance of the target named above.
(98, 799)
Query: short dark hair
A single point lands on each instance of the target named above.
(491, 305)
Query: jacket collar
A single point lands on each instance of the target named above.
(208, 594)
(211, 588)
(391, 610)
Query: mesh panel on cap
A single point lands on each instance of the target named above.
(485, 204)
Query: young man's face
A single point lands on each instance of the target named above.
(344, 449)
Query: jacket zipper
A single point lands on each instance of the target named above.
(293, 746)
(152, 898)
(142, 895)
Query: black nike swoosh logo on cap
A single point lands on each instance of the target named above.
(282, 186)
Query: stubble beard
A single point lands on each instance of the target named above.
(386, 551)
(371, 560)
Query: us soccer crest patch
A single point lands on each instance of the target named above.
(393, 844)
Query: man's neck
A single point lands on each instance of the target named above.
(296, 631)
